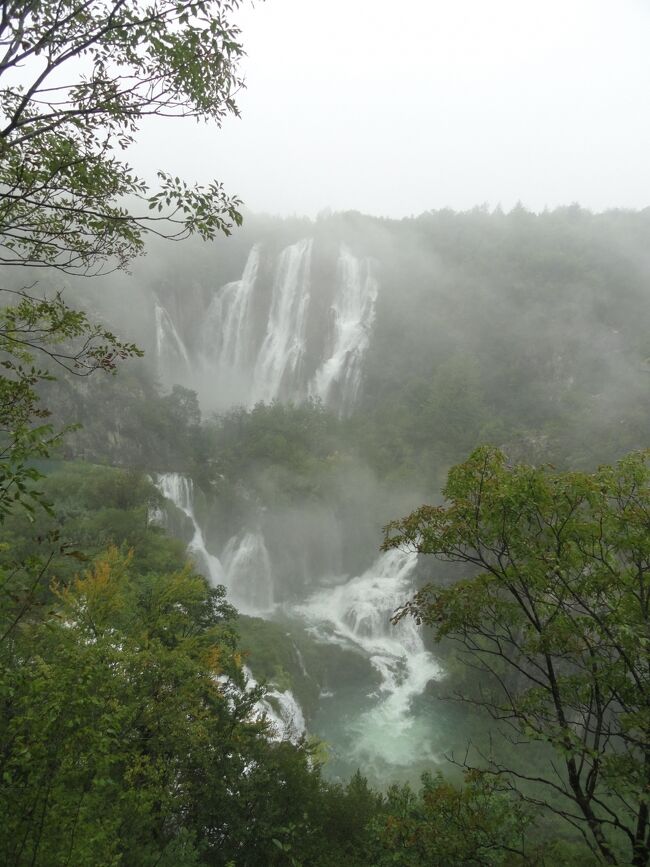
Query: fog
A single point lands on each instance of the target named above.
(316, 375)
(395, 110)
(357, 493)
(342, 366)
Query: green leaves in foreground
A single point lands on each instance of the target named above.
(554, 612)
(121, 713)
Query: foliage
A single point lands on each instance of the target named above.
(282, 445)
(106, 709)
(62, 337)
(126, 737)
(90, 507)
(478, 824)
(88, 75)
(556, 623)
(75, 81)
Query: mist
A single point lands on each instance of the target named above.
(432, 335)
(324, 467)
(393, 112)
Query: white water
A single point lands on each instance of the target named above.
(170, 349)
(357, 614)
(278, 363)
(283, 711)
(251, 343)
(179, 489)
(227, 336)
(248, 573)
(244, 566)
(353, 314)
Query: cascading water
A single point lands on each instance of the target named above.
(357, 614)
(179, 489)
(306, 335)
(278, 363)
(227, 338)
(228, 318)
(338, 378)
(256, 342)
(171, 352)
(244, 566)
(380, 730)
(248, 573)
(282, 709)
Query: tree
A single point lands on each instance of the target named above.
(76, 78)
(64, 338)
(478, 825)
(554, 615)
(128, 736)
(122, 714)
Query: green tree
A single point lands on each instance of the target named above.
(554, 613)
(122, 714)
(127, 736)
(476, 825)
(63, 338)
(76, 78)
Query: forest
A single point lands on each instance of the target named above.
(323, 541)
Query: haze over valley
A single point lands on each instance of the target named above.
(325, 485)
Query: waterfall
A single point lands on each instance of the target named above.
(180, 490)
(338, 378)
(282, 710)
(357, 614)
(228, 320)
(244, 567)
(248, 573)
(283, 348)
(254, 342)
(227, 339)
(171, 352)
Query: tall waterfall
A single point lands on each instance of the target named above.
(170, 349)
(179, 489)
(275, 334)
(353, 313)
(297, 326)
(227, 335)
(357, 614)
(278, 362)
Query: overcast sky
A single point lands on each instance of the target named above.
(396, 108)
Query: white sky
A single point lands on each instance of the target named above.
(395, 108)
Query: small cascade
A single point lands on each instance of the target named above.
(357, 614)
(248, 573)
(180, 490)
(280, 356)
(282, 710)
(338, 378)
(171, 352)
